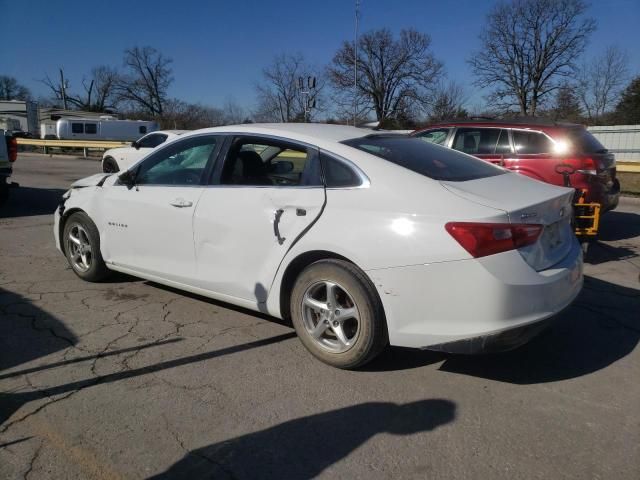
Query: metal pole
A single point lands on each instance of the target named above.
(355, 66)
(63, 89)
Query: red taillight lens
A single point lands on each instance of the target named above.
(482, 239)
(12, 147)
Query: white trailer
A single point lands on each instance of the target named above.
(103, 128)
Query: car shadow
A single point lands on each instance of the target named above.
(29, 201)
(619, 226)
(304, 447)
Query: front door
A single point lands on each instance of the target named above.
(264, 197)
(149, 227)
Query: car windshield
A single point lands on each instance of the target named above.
(584, 141)
(430, 160)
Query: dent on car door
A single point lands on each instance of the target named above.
(258, 206)
(149, 227)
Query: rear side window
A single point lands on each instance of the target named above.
(584, 141)
(434, 136)
(531, 142)
(90, 128)
(152, 141)
(476, 141)
(337, 174)
(77, 128)
(142, 130)
(430, 160)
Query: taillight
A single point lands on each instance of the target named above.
(587, 166)
(482, 239)
(12, 147)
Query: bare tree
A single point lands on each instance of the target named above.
(448, 102)
(99, 90)
(527, 47)
(393, 75)
(567, 104)
(280, 97)
(601, 81)
(233, 113)
(10, 89)
(146, 80)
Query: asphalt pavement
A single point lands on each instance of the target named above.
(130, 379)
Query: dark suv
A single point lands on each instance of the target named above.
(547, 151)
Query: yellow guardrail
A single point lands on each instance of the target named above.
(628, 167)
(36, 142)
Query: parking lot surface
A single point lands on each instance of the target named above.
(130, 379)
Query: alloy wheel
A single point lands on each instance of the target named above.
(330, 316)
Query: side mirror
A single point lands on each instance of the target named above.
(128, 179)
(135, 145)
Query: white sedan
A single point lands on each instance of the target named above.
(361, 239)
(121, 158)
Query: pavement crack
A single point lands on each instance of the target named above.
(33, 460)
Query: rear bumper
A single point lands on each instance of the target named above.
(477, 304)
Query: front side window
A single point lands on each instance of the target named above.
(425, 159)
(152, 141)
(262, 162)
(531, 142)
(77, 128)
(476, 141)
(90, 128)
(434, 136)
(182, 163)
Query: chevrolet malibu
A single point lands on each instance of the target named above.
(360, 239)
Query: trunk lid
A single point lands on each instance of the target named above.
(527, 201)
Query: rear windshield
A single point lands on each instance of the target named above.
(584, 141)
(425, 158)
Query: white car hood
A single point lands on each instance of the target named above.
(90, 181)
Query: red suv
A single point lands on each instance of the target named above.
(539, 149)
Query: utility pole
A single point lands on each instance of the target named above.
(63, 89)
(355, 66)
(308, 95)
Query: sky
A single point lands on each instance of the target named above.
(220, 47)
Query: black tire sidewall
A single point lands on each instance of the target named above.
(372, 327)
(98, 270)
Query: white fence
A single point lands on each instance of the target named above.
(622, 140)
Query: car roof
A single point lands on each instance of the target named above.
(305, 132)
(171, 132)
(526, 123)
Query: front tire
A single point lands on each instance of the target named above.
(338, 315)
(109, 165)
(82, 248)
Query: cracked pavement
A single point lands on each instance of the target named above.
(130, 379)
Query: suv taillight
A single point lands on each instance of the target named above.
(587, 166)
(12, 148)
(482, 239)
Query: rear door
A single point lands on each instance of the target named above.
(489, 144)
(534, 156)
(264, 196)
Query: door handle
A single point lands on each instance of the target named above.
(276, 230)
(181, 203)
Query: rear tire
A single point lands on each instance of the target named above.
(338, 315)
(81, 242)
(109, 165)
